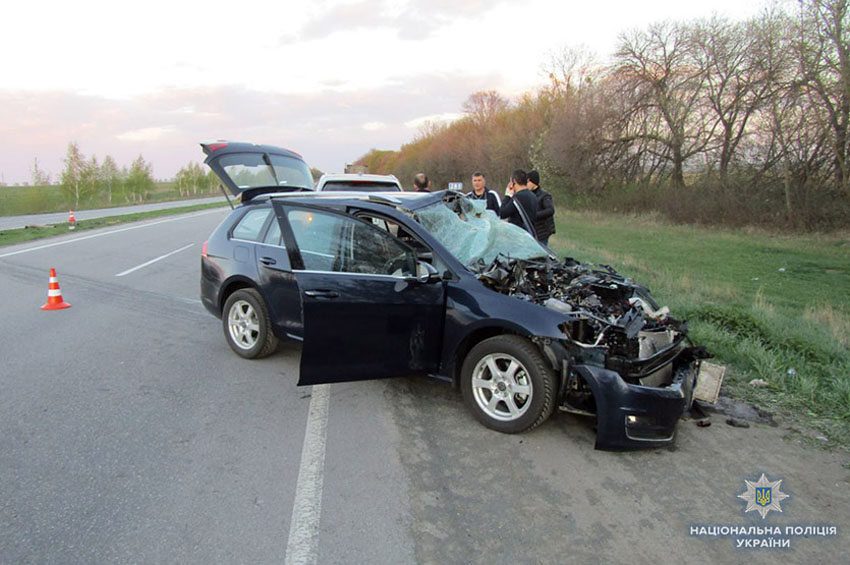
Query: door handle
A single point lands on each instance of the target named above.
(321, 293)
(267, 261)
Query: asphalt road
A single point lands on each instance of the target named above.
(17, 222)
(130, 433)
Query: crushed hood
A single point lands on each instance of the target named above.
(604, 313)
(570, 286)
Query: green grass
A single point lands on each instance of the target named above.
(774, 307)
(10, 237)
(20, 200)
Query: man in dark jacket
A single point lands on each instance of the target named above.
(481, 192)
(520, 205)
(544, 225)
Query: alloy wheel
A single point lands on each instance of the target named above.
(243, 324)
(501, 387)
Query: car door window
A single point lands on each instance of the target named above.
(423, 252)
(273, 234)
(251, 225)
(336, 243)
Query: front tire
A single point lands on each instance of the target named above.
(507, 384)
(247, 325)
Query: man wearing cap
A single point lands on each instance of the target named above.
(544, 224)
(481, 192)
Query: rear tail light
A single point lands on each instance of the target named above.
(204, 250)
(216, 146)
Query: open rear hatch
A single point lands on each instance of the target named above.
(248, 170)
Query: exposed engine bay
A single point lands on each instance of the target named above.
(609, 320)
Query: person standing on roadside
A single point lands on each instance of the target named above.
(544, 225)
(520, 205)
(421, 183)
(481, 192)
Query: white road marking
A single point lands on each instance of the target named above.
(101, 234)
(303, 544)
(152, 261)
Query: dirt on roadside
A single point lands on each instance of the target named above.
(549, 497)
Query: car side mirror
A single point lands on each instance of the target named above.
(426, 272)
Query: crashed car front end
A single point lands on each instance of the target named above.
(620, 357)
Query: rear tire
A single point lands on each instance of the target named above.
(247, 325)
(507, 384)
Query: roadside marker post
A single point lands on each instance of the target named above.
(72, 221)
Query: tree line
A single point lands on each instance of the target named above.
(713, 120)
(88, 180)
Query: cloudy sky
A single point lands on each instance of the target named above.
(329, 79)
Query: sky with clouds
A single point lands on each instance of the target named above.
(330, 79)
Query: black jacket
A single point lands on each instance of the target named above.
(544, 224)
(493, 201)
(526, 200)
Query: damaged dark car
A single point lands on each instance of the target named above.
(434, 284)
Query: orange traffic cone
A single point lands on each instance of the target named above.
(54, 295)
(72, 221)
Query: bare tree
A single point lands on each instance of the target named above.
(763, 104)
(666, 80)
(743, 62)
(571, 68)
(581, 142)
(824, 53)
(483, 105)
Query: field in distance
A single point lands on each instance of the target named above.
(21, 200)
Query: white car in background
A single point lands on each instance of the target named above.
(356, 182)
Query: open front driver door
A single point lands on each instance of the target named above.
(366, 316)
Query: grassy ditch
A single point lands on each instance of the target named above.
(10, 237)
(769, 306)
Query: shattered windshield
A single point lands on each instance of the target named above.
(475, 235)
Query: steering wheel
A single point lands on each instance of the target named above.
(394, 264)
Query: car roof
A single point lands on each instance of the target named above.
(357, 176)
(404, 200)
